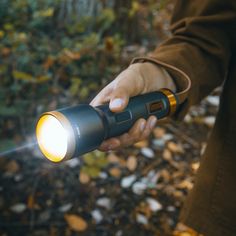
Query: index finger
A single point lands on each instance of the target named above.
(102, 97)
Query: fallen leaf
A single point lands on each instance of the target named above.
(167, 155)
(147, 152)
(185, 184)
(195, 166)
(127, 181)
(72, 55)
(84, 178)
(174, 147)
(104, 202)
(30, 202)
(112, 158)
(6, 51)
(131, 163)
(139, 188)
(12, 167)
(213, 100)
(109, 43)
(65, 208)
(76, 222)
(209, 121)
(20, 75)
(115, 172)
(141, 219)
(159, 132)
(18, 208)
(141, 144)
(158, 143)
(154, 204)
(97, 216)
(48, 62)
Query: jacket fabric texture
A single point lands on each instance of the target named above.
(203, 47)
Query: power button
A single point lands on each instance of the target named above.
(122, 116)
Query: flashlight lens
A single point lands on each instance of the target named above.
(52, 138)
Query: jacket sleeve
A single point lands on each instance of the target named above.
(200, 45)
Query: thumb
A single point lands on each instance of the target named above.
(119, 99)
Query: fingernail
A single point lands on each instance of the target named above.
(153, 122)
(116, 103)
(142, 126)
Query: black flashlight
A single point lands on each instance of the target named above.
(73, 131)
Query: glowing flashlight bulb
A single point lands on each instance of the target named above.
(52, 138)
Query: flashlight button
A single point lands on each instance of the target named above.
(155, 106)
(123, 116)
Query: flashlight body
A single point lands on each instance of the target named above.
(142, 106)
(88, 126)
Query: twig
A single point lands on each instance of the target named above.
(183, 136)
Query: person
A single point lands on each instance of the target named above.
(202, 48)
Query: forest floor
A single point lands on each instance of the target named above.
(135, 191)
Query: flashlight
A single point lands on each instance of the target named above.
(73, 131)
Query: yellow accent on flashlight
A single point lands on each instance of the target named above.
(172, 100)
(55, 136)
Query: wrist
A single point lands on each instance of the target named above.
(154, 77)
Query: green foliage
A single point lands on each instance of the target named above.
(51, 56)
(93, 163)
(37, 48)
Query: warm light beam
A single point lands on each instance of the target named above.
(52, 138)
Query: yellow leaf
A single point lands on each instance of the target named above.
(8, 26)
(109, 44)
(44, 13)
(134, 8)
(141, 144)
(22, 76)
(72, 55)
(2, 34)
(22, 36)
(43, 78)
(76, 222)
(30, 202)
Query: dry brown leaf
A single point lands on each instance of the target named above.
(30, 202)
(109, 43)
(174, 147)
(12, 167)
(185, 184)
(84, 178)
(195, 166)
(115, 172)
(167, 155)
(159, 132)
(165, 175)
(141, 144)
(48, 63)
(76, 222)
(183, 230)
(113, 158)
(131, 163)
(178, 194)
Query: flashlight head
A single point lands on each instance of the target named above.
(69, 132)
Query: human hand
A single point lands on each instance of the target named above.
(138, 78)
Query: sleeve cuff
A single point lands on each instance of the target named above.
(181, 79)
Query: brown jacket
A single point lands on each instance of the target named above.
(203, 46)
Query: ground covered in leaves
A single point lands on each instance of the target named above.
(135, 191)
(59, 53)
